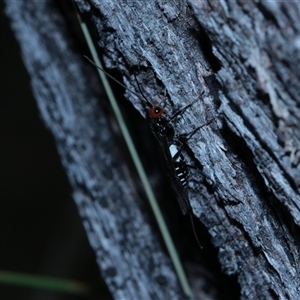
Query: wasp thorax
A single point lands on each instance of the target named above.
(155, 112)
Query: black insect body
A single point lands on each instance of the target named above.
(170, 147)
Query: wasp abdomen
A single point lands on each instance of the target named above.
(179, 164)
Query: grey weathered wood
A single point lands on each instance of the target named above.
(250, 154)
(67, 92)
(258, 48)
(247, 194)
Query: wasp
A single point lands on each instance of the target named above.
(170, 146)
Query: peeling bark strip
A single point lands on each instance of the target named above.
(241, 60)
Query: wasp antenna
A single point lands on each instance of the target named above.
(146, 100)
(114, 79)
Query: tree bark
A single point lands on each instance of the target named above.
(240, 61)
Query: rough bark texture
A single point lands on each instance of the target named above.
(71, 106)
(241, 60)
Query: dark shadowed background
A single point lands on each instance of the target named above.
(41, 231)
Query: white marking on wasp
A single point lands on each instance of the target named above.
(180, 169)
(174, 150)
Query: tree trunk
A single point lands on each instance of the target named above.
(240, 61)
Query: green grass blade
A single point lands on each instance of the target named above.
(44, 282)
(135, 157)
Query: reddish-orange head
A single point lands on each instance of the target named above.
(155, 112)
